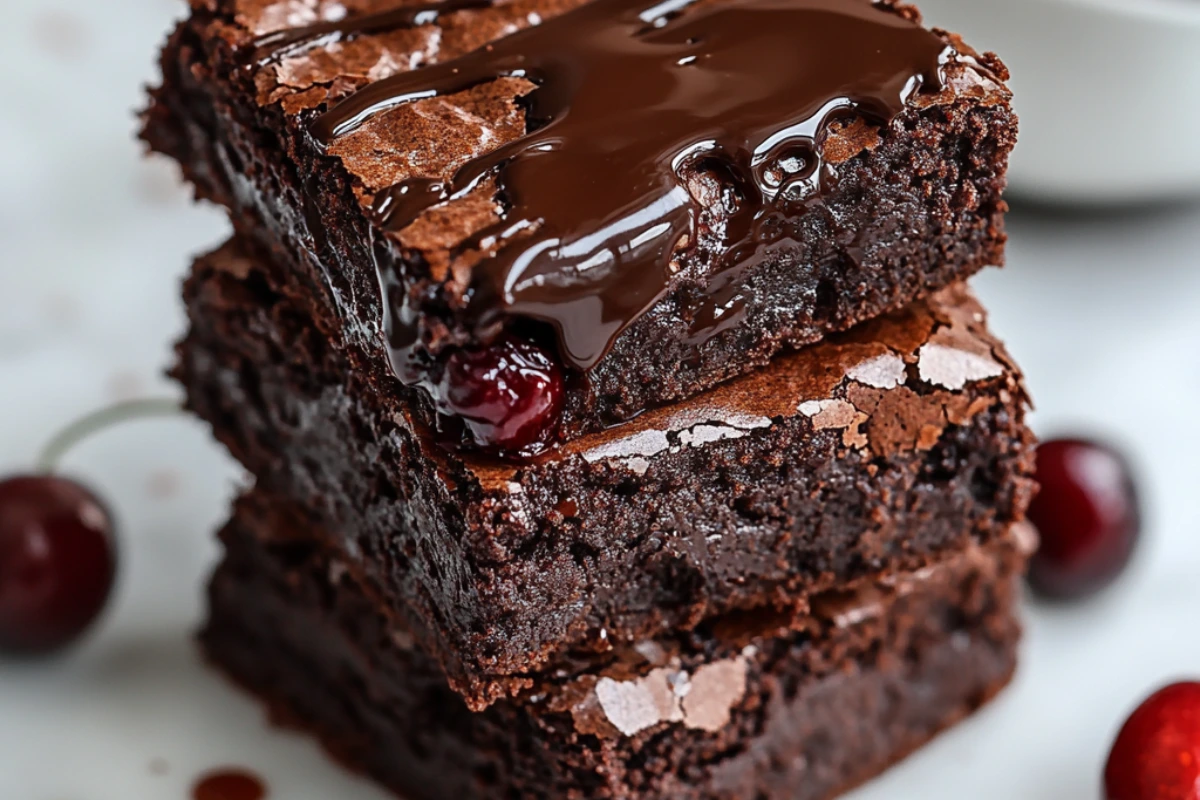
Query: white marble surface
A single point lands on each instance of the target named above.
(1102, 312)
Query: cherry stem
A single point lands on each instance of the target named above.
(97, 421)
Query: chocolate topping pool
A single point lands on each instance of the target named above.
(631, 100)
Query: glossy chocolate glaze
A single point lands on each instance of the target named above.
(629, 100)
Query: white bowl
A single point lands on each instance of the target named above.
(1108, 92)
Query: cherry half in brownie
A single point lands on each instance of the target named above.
(537, 218)
(746, 707)
(881, 447)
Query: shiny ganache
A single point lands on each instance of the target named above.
(629, 99)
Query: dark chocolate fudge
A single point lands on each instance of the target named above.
(530, 220)
(745, 707)
(880, 448)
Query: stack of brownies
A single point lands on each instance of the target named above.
(621, 425)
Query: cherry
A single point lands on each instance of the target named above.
(57, 561)
(1156, 756)
(1088, 516)
(508, 395)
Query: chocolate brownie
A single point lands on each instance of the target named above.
(745, 707)
(610, 206)
(880, 448)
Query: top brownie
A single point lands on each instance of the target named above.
(546, 216)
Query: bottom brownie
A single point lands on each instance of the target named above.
(742, 707)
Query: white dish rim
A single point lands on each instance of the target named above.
(1185, 11)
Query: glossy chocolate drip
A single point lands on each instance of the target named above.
(630, 100)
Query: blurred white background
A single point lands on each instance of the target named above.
(1100, 309)
(1106, 86)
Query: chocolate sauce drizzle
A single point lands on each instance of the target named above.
(630, 96)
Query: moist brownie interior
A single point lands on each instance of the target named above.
(881, 447)
(742, 708)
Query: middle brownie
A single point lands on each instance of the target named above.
(881, 448)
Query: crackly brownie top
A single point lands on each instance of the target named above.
(887, 387)
(565, 161)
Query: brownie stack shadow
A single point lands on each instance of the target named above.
(761, 556)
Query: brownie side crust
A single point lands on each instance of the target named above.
(783, 483)
(736, 709)
(917, 205)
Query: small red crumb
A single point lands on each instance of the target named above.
(229, 784)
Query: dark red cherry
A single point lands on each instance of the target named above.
(57, 561)
(1088, 516)
(508, 395)
(1156, 756)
